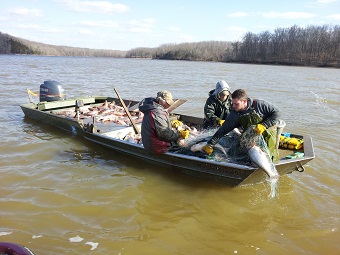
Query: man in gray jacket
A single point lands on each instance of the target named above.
(157, 135)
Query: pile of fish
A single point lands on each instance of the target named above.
(107, 112)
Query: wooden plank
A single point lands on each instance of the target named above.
(176, 104)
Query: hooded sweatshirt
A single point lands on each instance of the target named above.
(157, 134)
(214, 108)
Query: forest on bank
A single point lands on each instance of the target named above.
(303, 46)
(14, 45)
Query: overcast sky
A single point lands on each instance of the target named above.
(124, 25)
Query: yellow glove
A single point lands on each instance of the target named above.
(184, 133)
(208, 149)
(220, 122)
(259, 128)
(176, 124)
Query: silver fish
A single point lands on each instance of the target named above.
(258, 157)
(199, 147)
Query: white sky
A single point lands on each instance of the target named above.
(124, 25)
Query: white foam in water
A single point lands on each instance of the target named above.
(34, 236)
(94, 245)
(76, 239)
(5, 233)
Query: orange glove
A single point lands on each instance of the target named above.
(259, 128)
(208, 149)
(184, 133)
(220, 122)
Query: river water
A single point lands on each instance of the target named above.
(63, 195)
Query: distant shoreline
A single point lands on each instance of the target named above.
(312, 46)
(139, 58)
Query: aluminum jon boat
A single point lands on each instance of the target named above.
(115, 134)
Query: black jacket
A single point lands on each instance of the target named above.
(268, 112)
(215, 110)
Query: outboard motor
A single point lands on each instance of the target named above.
(51, 91)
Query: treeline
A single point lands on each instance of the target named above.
(13, 45)
(310, 46)
(306, 46)
(197, 51)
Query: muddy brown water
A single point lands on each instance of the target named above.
(61, 194)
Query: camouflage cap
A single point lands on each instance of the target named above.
(166, 95)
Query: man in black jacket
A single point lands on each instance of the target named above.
(245, 113)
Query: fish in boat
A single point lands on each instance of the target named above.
(199, 147)
(259, 158)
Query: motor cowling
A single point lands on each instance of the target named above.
(51, 91)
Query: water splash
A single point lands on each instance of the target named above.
(273, 182)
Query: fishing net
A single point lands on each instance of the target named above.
(250, 138)
(225, 144)
(202, 136)
(235, 146)
(236, 149)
